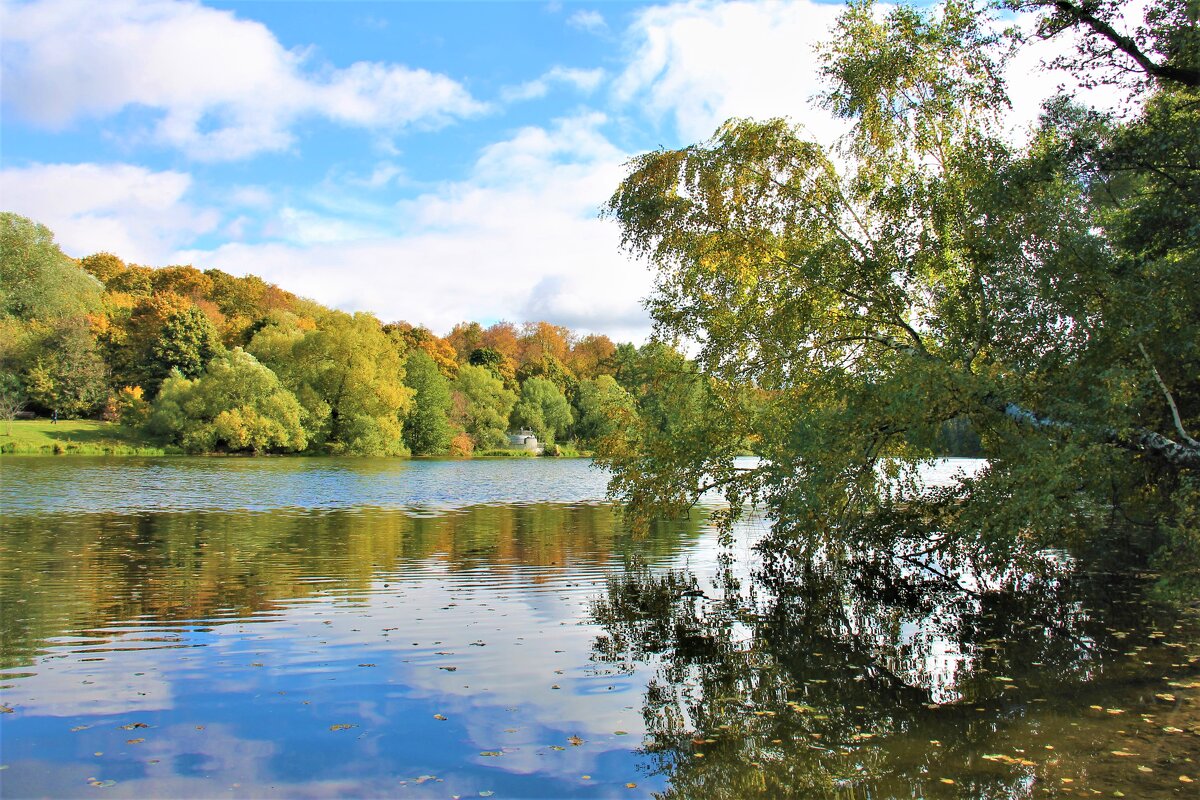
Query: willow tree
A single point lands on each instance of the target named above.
(929, 270)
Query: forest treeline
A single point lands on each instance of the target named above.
(211, 362)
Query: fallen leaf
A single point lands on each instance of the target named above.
(341, 727)
(134, 741)
(133, 726)
(439, 716)
(575, 740)
(491, 753)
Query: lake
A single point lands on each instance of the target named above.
(308, 628)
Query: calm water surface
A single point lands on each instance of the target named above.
(358, 628)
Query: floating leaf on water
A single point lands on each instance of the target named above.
(5, 709)
(440, 717)
(948, 781)
(134, 726)
(366, 665)
(79, 728)
(1173, 729)
(557, 747)
(1123, 753)
(585, 777)
(491, 753)
(1143, 768)
(1114, 711)
(1166, 696)
(1185, 779)
(631, 785)
(134, 741)
(620, 733)
(101, 784)
(341, 726)
(449, 669)
(575, 740)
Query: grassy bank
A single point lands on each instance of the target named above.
(86, 437)
(76, 437)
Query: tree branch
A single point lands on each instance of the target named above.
(1180, 456)
(1185, 75)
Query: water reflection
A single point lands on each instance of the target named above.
(326, 630)
(867, 678)
(317, 652)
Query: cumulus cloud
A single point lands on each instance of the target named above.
(697, 64)
(139, 214)
(584, 80)
(223, 88)
(519, 238)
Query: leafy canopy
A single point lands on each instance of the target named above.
(845, 305)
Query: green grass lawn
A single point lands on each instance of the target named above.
(74, 436)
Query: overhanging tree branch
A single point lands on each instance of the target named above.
(1080, 15)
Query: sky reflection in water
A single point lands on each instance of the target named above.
(299, 628)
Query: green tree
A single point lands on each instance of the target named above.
(499, 364)
(481, 406)
(552, 369)
(37, 280)
(186, 343)
(68, 375)
(602, 408)
(427, 425)
(544, 409)
(235, 404)
(350, 381)
(846, 309)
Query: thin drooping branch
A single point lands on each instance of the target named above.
(1170, 399)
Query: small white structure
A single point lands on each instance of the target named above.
(524, 439)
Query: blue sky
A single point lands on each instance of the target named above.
(433, 162)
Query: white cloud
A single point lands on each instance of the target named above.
(584, 80)
(224, 88)
(700, 63)
(139, 214)
(588, 21)
(696, 64)
(518, 239)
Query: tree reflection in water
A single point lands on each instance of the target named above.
(863, 676)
